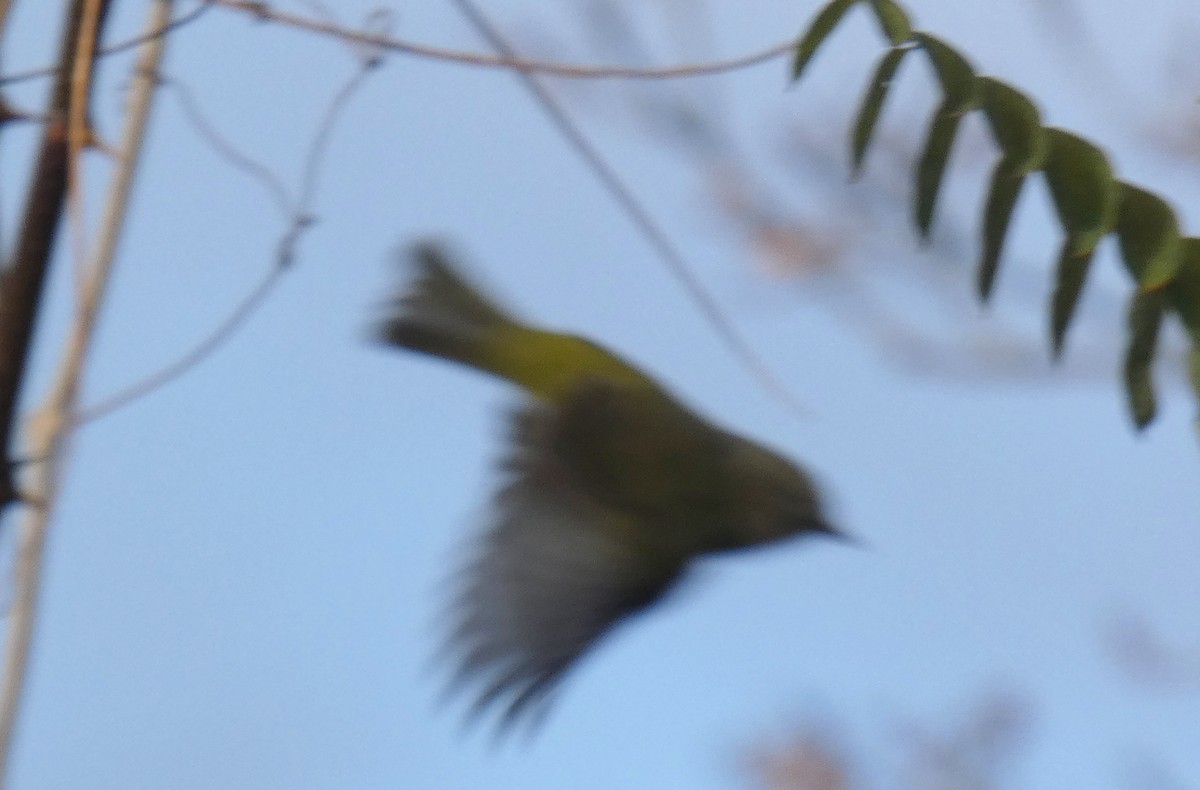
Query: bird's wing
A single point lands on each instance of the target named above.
(550, 577)
(639, 450)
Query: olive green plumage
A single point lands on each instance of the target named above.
(612, 488)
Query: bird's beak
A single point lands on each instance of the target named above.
(830, 531)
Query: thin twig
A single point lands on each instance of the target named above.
(224, 148)
(320, 141)
(130, 43)
(201, 351)
(263, 12)
(300, 219)
(50, 428)
(624, 196)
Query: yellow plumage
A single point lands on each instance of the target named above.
(612, 488)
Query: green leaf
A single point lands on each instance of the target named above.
(1184, 290)
(1016, 125)
(997, 211)
(1145, 318)
(1149, 235)
(892, 20)
(932, 165)
(960, 89)
(872, 103)
(816, 34)
(1072, 272)
(1082, 187)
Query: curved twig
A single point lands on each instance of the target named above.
(320, 142)
(201, 351)
(544, 67)
(299, 220)
(224, 148)
(667, 252)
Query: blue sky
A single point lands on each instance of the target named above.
(247, 569)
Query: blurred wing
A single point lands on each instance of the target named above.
(554, 573)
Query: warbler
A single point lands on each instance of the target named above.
(612, 488)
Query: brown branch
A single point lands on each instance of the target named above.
(121, 46)
(25, 273)
(5, 6)
(263, 12)
(50, 427)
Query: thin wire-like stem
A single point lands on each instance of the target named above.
(50, 427)
(299, 220)
(130, 43)
(227, 150)
(508, 62)
(383, 41)
(624, 196)
(201, 351)
(320, 141)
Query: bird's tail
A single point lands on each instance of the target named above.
(441, 314)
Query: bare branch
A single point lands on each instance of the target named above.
(550, 68)
(320, 142)
(49, 71)
(226, 150)
(79, 131)
(5, 6)
(50, 428)
(300, 218)
(21, 289)
(201, 351)
(625, 198)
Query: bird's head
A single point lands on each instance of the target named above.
(776, 499)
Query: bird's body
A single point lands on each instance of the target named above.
(613, 487)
